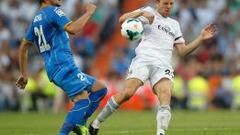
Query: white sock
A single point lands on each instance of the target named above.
(108, 109)
(160, 131)
(96, 124)
(163, 118)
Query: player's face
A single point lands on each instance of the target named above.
(56, 2)
(165, 7)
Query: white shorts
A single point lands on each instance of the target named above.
(150, 72)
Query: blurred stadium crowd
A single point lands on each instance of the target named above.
(208, 79)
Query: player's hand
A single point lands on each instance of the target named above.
(208, 32)
(91, 8)
(22, 82)
(149, 16)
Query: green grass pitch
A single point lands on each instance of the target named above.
(127, 123)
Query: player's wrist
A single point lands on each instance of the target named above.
(90, 13)
(200, 38)
(140, 13)
(24, 74)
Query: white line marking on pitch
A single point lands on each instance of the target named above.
(176, 129)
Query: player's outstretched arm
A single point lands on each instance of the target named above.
(77, 26)
(23, 52)
(137, 14)
(207, 33)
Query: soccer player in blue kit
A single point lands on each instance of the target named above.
(49, 31)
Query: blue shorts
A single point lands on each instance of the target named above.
(73, 81)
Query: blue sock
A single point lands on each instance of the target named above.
(66, 128)
(75, 116)
(95, 98)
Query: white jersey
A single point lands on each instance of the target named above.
(157, 43)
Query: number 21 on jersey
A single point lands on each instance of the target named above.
(42, 42)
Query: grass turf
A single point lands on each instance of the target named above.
(127, 123)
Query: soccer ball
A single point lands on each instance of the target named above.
(132, 29)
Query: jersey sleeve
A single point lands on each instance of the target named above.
(178, 36)
(59, 18)
(29, 36)
(143, 19)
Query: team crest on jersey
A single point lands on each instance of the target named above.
(59, 12)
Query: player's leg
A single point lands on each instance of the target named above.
(136, 77)
(130, 87)
(97, 91)
(163, 90)
(75, 116)
(74, 83)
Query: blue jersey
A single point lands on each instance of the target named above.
(47, 32)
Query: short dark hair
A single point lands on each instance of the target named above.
(40, 1)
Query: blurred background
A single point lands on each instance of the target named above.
(208, 79)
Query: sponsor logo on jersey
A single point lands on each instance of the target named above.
(167, 30)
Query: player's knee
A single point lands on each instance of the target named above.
(98, 85)
(166, 92)
(102, 85)
(164, 96)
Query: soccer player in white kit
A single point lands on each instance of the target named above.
(153, 61)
